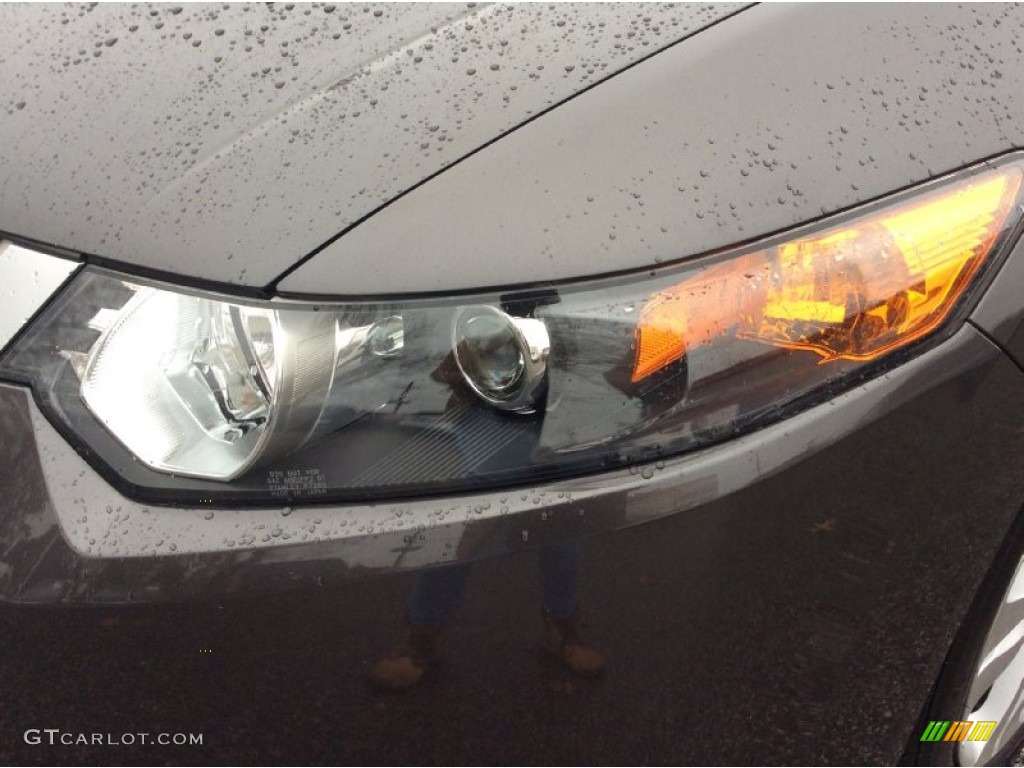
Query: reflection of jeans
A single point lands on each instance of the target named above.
(438, 593)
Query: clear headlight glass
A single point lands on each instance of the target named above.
(201, 387)
(182, 395)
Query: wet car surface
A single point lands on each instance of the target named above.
(784, 589)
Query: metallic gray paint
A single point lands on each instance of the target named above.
(226, 142)
(817, 598)
(999, 312)
(817, 603)
(99, 525)
(771, 118)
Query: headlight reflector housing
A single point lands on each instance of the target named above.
(182, 395)
(199, 387)
(856, 291)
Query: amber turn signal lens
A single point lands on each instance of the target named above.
(855, 291)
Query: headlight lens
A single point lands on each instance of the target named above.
(502, 358)
(854, 291)
(201, 387)
(185, 396)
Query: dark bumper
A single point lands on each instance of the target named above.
(802, 618)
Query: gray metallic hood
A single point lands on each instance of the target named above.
(778, 115)
(226, 142)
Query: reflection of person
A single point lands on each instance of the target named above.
(437, 593)
(436, 597)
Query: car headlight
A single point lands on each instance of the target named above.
(202, 387)
(186, 395)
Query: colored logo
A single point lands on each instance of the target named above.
(958, 730)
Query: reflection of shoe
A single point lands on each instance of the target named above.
(562, 640)
(404, 667)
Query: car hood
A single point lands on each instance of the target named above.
(226, 142)
(778, 115)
